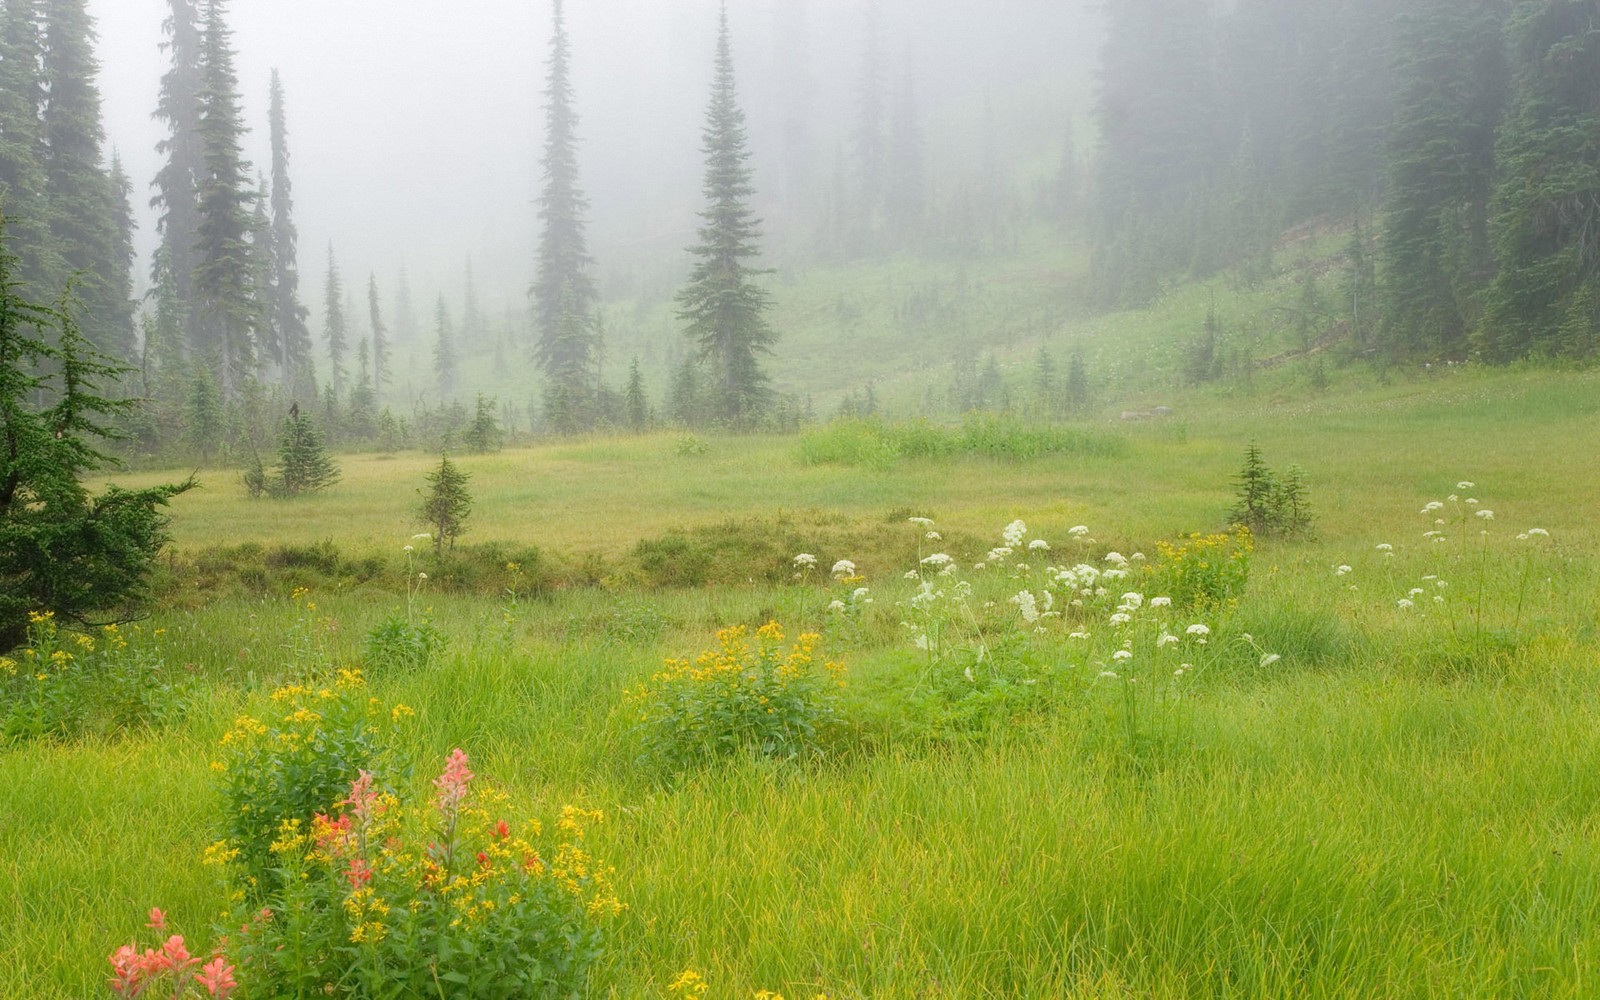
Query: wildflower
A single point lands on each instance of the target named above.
(422, 576)
(690, 985)
(452, 783)
(805, 560)
(859, 596)
(1415, 591)
(937, 561)
(844, 568)
(422, 537)
(1038, 545)
(911, 574)
(1199, 630)
(502, 830)
(408, 548)
(1121, 618)
(1472, 501)
(1122, 654)
(1269, 659)
(1538, 533)
(1166, 640)
(1406, 604)
(1465, 486)
(1133, 601)
(1108, 674)
(1385, 547)
(1079, 531)
(1014, 533)
(1116, 558)
(158, 920)
(1432, 506)
(1027, 605)
(1161, 602)
(1343, 570)
(1078, 635)
(1138, 557)
(934, 536)
(836, 606)
(1486, 514)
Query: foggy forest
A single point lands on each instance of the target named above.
(799, 498)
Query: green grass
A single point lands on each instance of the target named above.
(1401, 807)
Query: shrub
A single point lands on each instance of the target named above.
(744, 696)
(1205, 572)
(376, 898)
(61, 686)
(290, 768)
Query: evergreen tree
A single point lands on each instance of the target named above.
(473, 331)
(724, 310)
(483, 434)
(1546, 298)
(119, 301)
(204, 420)
(62, 549)
(81, 196)
(225, 311)
(563, 291)
(263, 277)
(446, 505)
(636, 402)
(333, 326)
(1436, 237)
(1077, 383)
(297, 368)
(444, 351)
(303, 462)
(362, 417)
(22, 148)
(381, 372)
(177, 184)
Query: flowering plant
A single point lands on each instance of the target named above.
(170, 971)
(745, 695)
(377, 898)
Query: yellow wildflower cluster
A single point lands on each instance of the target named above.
(1205, 571)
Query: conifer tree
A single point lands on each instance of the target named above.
(333, 326)
(1546, 297)
(635, 401)
(361, 420)
(62, 549)
(119, 301)
(563, 291)
(303, 462)
(444, 351)
(483, 434)
(297, 368)
(263, 272)
(724, 311)
(177, 184)
(381, 373)
(225, 312)
(80, 193)
(446, 505)
(204, 420)
(22, 149)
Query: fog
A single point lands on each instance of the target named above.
(415, 126)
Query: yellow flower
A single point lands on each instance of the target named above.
(689, 985)
(401, 712)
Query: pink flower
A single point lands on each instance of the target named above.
(217, 978)
(452, 784)
(362, 798)
(127, 971)
(176, 954)
(501, 830)
(158, 920)
(358, 874)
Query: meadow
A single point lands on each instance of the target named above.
(1353, 790)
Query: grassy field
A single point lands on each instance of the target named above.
(1403, 805)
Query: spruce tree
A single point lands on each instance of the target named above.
(81, 197)
(177, 184)
(483, 434)
(295, 354)
(723, 309)
(62, 549)
(204, 420)
(303, 462)
(225, 311)
(119, 301)
(1546, 297)
(636, 403)
(361, 419)
(22, 149)
(563, 291)
(446, 505)
(333, 325)
(444, 351)
(381, 373)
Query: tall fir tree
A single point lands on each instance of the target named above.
(224, 301)
(263, 274)
(177, 184)
(1545, 299)
(635, 402)
(295, 354)
(22, 149)
(82, 200)
(1436, 254)
(123, 252)
(381, 364)
(444, 352)
(563, 291)
(722, 307)
(334, 328)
